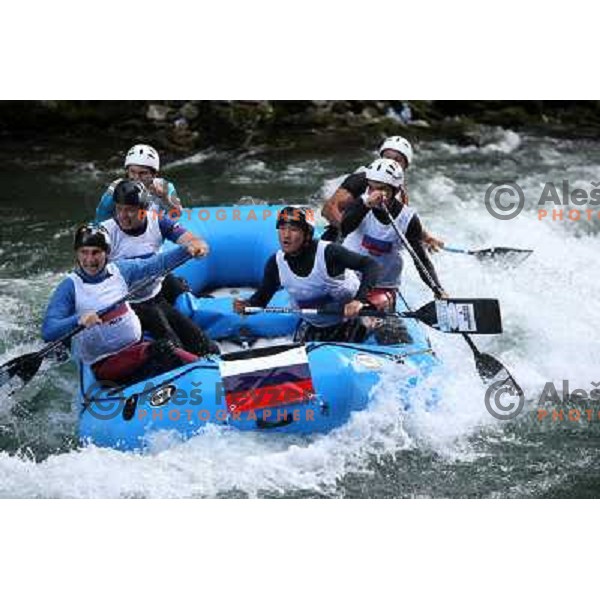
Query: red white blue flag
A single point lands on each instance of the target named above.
(376, 247)
(265, 378)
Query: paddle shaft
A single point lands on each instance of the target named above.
(251, 310)
(472, 345)
(477, 354)
(49, 348)
(487, 366)
(501, 251)
(457, 250)
(434, 286)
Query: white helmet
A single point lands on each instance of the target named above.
(142, 155)
(399, 144)
(385, 170)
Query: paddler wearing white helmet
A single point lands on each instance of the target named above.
(396, 148)
(142, 163)
(366, 229)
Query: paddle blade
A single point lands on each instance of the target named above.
(491, 370)
(24, 367)
(508, 256)
(462, 315)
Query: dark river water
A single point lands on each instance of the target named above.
(550, 306)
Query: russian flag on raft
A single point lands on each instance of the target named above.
(265, 378)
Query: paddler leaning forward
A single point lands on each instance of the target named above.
(111, 344)
(316, 274)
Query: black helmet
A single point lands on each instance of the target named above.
(297, 215)
(92, 235)
(132, 193)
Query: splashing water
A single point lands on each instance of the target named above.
(549, 304)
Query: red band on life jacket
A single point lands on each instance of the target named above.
(115, 313)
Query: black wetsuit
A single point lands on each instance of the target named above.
(173, 286)
(162, 321)
(337, 260)
(356, 185)
(158, 316)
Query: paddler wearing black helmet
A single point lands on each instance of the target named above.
(133, 234)
(112, 343)
(92, 246)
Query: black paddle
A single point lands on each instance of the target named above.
(507, 256)
(26, 366)
(455, 315)
(488, 367)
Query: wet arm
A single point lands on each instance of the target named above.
(350, 189)
(269, 285)
(333, 209)
(414, 235)
(106, 207)
(353, 216)
(60, 317)
(135, 270)
(338, 259)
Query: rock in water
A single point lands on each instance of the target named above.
(189, 111)
(157, 112)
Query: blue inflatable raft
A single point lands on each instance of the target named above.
(273, 386)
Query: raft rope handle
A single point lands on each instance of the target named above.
(87, 400)
(393, 357)
(309, 348)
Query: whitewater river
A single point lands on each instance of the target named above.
(550, 305)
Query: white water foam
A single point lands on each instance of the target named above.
(509, 141)
(194, 159)
(329, 187)
(493, 141)
(218, 461)
(549, 305)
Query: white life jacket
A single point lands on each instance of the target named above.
(120, 328)
(318, 288)
(149, 243)
(379, 241)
